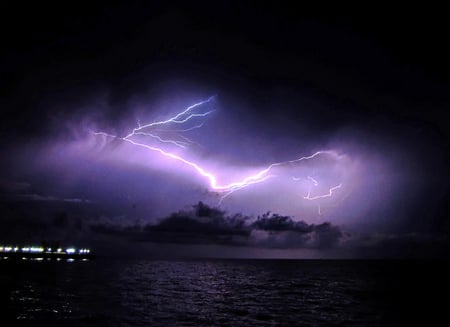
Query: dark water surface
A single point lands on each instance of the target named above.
(223, 292)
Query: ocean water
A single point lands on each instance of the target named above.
(105, 292)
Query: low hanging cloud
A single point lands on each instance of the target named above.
(28, 215)
(207, 225)
(11, 191)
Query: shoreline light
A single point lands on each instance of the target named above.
(40, 249)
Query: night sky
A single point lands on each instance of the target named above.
(277, 82)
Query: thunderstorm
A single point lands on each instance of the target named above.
(170, 132)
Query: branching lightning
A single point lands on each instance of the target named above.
(164, 133)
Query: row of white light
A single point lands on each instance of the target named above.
(41, 259)
(34, 249)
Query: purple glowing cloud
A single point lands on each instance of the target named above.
(162, 136)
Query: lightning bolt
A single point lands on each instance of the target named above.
(327, 195)
(153, 130)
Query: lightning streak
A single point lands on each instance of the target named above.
(184, 117)
(327, 195)
(175, 118)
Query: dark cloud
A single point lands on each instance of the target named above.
(206, 225)
(27, 215)
(27, 223)
(279, 223)
(11, 191)
(274, 230)
(38, 197)
(203, 227)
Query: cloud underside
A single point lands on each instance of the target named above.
(28, 218)
(206, 225)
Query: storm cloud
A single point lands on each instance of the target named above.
(207, 225)
(284, 85)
